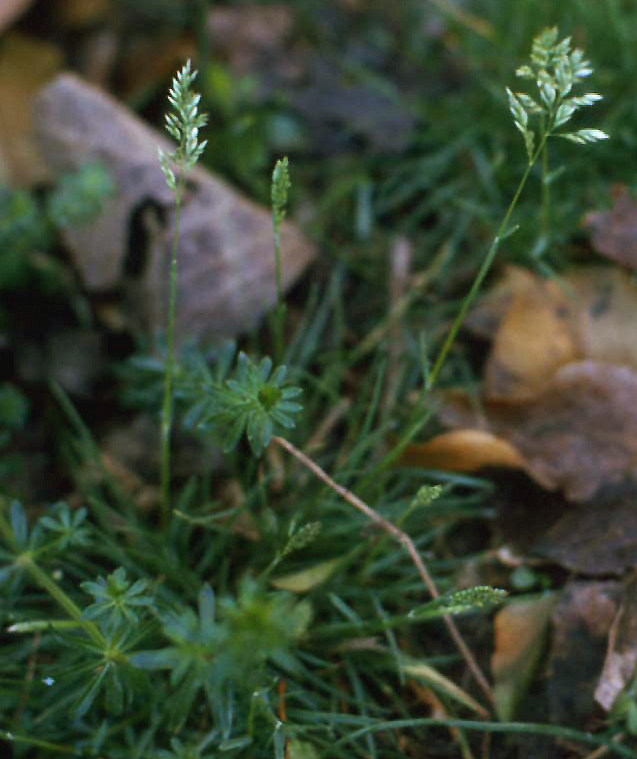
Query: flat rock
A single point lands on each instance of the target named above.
(226, 270)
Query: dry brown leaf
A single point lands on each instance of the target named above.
(569, 423)
(226, 261)
(26, 64)
(463, 450)
(537, 326)
(577, 435)
(485, 318)
(606, 314)
(519, 638)
(581, 622)
(10, 10)
(621, 657)
(614, 232)
(597, 539)
(534, 339)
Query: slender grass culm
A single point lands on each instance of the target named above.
(555, 69)
(184, 125)
(279, 193)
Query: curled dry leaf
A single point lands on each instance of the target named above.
(485, 318)
(226, 261)
(614, 232)
(520, 628)
(578, 434)
(537, 326)
(605, 314)
(621, 656)
(581, 622)
(463, 450)
(534, 339)
(558, 384)
(598, 538)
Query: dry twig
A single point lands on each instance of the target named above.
(407, 543)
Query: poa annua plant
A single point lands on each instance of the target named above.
(184, 125)
(255, 399)
(280, 188)
(556, 71)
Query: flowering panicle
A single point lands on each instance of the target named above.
(184, 125)
(556, 69)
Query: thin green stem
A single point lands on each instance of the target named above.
(17, 738)
(546, 195)
(26, 561)
(482, 273)
(5, 529)
(279, 192)
(277, 259)
(280, 311)
(46, 583)
(555, 731)
(167, 406)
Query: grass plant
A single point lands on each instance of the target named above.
(184, 125)
(277, 614)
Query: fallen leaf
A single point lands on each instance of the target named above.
(598, 538)
(26, 64)
(539, 325)
(463, 450)
(534, 339)
(614, 232)
(606, 314)
(579, 434)
(621, 657)
(10, 10)
(581, 622)
(485, 318)
(226, 273)
(520, 629)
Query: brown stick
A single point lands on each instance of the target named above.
(408, 544)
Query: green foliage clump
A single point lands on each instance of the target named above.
(80, 195)
(216, 398)
(14, 409)
(29, 224)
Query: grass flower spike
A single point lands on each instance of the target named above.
(184, 125)
(556, 69)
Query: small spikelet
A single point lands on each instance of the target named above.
(184, 125)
